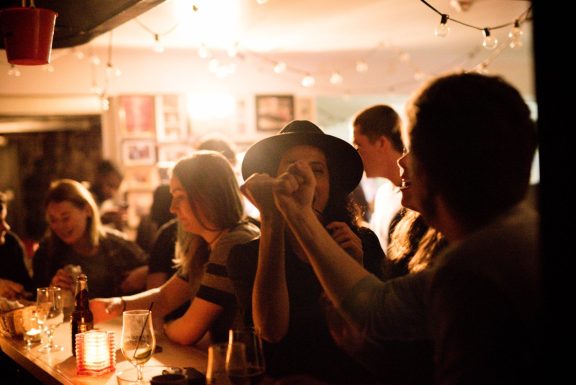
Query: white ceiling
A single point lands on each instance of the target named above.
(315, 25)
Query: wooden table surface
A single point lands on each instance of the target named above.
(60, 367)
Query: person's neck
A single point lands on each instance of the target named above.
(389, 168)
(212, 237)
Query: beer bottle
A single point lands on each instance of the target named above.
(82, 318)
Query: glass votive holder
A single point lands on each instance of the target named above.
(95, 352)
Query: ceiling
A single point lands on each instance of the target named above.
(275, 25)
(314, 25)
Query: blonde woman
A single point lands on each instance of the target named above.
(207, 202)
(113, 264)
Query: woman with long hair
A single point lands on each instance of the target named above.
(76, 236)
(208, 204)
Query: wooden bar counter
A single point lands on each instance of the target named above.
(60, 367)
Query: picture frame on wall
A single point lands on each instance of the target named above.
(273, 112)
(138, 152)
(171, 153)
(171, 122)
(137, 116)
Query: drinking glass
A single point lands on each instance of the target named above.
(50, 314)
(138, 339)
(252, 353)
(216, 373)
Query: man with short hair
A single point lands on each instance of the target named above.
(378, 139)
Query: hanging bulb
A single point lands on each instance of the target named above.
(95, 60)
(104, 103)
(515, 35)
(489, 42)
(203, 51)
(79, 54)
(279, 67)
(157, 46)
(442, 29)
(233, 50)
(361, 66)
(336, 78)
(260, 2)
(308, 81)
(14, 71)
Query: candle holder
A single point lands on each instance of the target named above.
(95, 352)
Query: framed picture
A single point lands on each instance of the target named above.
(141, 178)
(137, 116)
(273, 112)
(171, 153)
(138, 152)
(171, 123)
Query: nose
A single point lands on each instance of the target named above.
(4, 226)
(172, 207)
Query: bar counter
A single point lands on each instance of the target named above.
(60, 367)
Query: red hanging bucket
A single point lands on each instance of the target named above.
(27, 34)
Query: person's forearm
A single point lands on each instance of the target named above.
(270, 309)
(144, 299)
(337, 271)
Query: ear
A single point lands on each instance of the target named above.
(382, 142)
(88, 211)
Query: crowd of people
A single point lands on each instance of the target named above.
(442, 287)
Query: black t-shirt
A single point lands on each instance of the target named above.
(163, 249)
(308, 347)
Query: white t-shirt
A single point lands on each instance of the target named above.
(387, 202)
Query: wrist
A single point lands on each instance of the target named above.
(123, 303)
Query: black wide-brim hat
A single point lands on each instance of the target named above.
(344, 162)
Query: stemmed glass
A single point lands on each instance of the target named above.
(49, 311)
(138, 339)
(245, 357)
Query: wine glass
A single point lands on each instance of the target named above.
(252, 354)
(216, 368)
(50, 314)
(138, 339)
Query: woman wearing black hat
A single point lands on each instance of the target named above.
(273, 280)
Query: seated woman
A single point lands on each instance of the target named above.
(15, 281)
(208, 204)
(287, 299)
(113, 264)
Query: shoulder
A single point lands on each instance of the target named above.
(243, 259)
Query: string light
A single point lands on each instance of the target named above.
(308, 81)
(490, 41)
(336, 78)
(442, 29)
(157, 46)
(226, 67)
(14, 71)
(279, 67)
(361, 66)
(515, 35)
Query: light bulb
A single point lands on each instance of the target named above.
(203, 52)
(489, 42)
(336, 78)
(515, 35)
(442, 29)
(14, 71)
(279, 67)
(361, 66)
(157, 46)
(308, 81)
